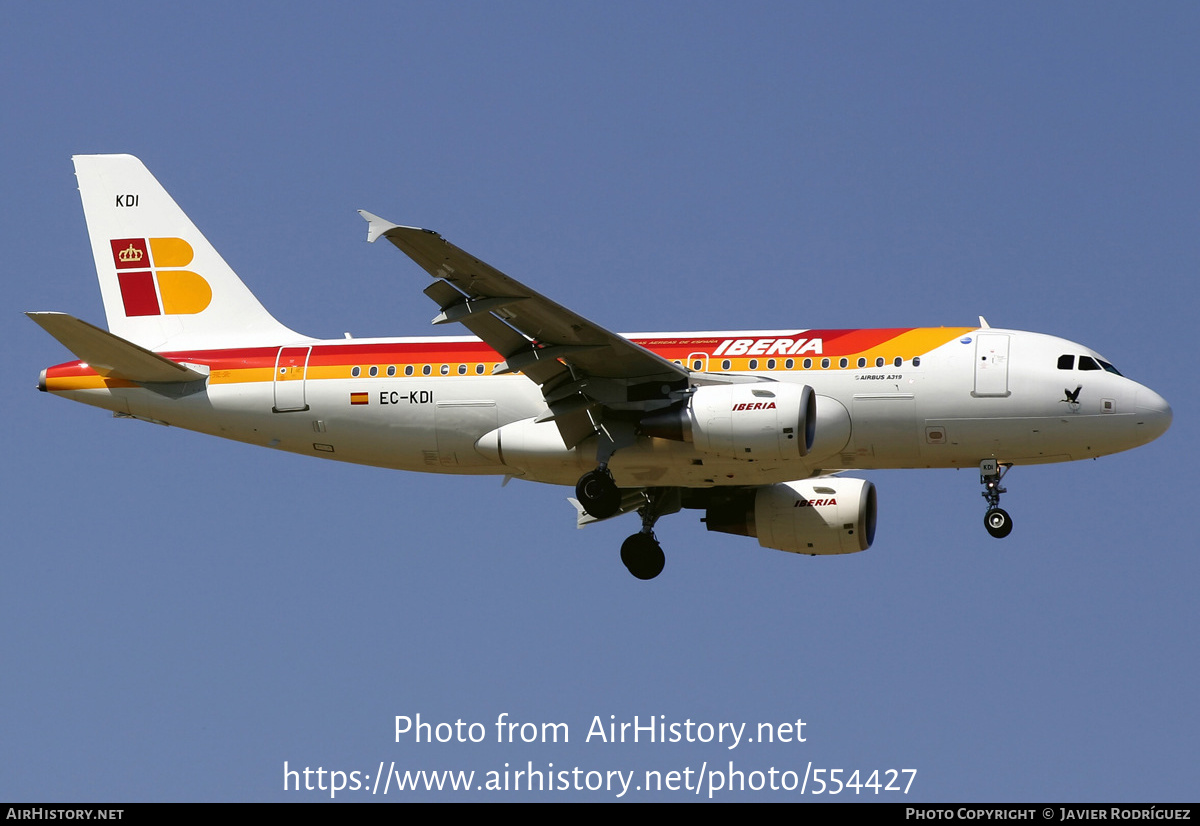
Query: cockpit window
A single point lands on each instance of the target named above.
(1067, 362)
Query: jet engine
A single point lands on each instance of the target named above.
(763, 420)
(826, 515)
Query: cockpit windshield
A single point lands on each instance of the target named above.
(1067, 362)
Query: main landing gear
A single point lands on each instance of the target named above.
(997, 521)
(641, 553)
(600, 497)
(643, 556)
(598, 493)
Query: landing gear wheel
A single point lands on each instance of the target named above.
(998, 523)
(643, 556)
(598, 494)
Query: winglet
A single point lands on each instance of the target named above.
(376, 226)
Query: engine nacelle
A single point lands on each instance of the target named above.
(826, 515)
(758, 421)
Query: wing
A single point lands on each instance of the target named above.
(587, 374)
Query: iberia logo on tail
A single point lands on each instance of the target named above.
(152, 281)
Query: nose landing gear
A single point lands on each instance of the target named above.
(997, 521)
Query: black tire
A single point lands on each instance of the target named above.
(598, 494)
(998, 523)
(643, 556)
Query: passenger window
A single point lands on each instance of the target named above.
(879, 361)
(726, 364)
(426, 370)
(355, 371)
(753, 364)
(790, 363)
(899, 361)
(408, 369)
(770, 364)
(374, 371)
(1066, 362)
(808, 364)
(824, 364)
(462, 369)
(862, 362)
(844, 363)
(916, 361)
(391, 370)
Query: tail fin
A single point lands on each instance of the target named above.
(163, 284)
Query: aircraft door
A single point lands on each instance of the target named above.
(291, 365)
(991, 365)
(697, 362)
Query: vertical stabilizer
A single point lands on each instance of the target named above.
(163, 284)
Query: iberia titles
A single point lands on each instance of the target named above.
(768, 347)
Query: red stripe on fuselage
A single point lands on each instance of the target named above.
(325, 354)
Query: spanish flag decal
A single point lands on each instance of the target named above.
(358, 398)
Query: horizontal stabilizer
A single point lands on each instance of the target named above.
(112, 356)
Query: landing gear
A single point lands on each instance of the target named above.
(643, 556)
(598, 493)
(599, 496)
(997, 521)
(641, 553)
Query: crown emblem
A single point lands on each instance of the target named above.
(130, 253)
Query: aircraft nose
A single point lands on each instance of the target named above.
(1154, 414)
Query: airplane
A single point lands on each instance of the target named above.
(756, 429)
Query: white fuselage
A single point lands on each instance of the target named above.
(986, 394)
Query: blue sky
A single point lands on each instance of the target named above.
(183, 615)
